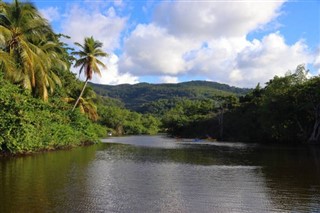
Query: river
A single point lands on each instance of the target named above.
(160, 174)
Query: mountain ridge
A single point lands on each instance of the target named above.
(134, 96)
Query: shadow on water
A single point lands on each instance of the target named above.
(292, 176)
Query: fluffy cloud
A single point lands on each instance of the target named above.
(111, 74)
(243, 63)
(105, 27)
(207, 39)
(150, 50)
(211, 41)
(213, 19)
(271, 56)
(169, 79)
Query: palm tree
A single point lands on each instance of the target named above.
(46, 77)
(28, 39)
(7, 65)
(88, 60)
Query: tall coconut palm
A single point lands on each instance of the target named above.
(25, 36)
(88, 60)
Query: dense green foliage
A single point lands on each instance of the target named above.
(121, 121)
(286, 110)
(28, 124)
(177, 106)
(30, 54)
(37, 89)
(192, 118)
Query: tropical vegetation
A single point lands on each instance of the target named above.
(286, 110)
(88, 60)
(43, 106)
(37, 89)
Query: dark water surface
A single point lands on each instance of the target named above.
(158, 174)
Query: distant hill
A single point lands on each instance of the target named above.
(137, 95)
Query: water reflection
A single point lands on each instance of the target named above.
(158, 174)
(41, 182)
(293, 178)
(133, 186)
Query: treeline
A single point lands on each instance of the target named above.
(286, 110)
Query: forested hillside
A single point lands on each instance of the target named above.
(286, 110)
(140, 96)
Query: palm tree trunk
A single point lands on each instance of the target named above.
(84, 86)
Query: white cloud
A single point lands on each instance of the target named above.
(262, 60)
(214, 19)
(244, 63)
(169, 79)
(210, 41)
(150, 50)
(191, 38)
(107, 28)
(111, 74)
(50, 13)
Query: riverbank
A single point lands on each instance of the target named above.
(4, 154)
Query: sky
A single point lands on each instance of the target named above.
(237, 42)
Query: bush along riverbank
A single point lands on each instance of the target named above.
(29, 124)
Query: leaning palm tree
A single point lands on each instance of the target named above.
(88, 61)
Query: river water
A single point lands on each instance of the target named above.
(159, 174)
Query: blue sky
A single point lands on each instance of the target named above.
(238, 42)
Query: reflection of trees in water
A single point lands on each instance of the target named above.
(293, 177)
(292, 174)
(45, 181)
(189, 154)
(189, 179)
